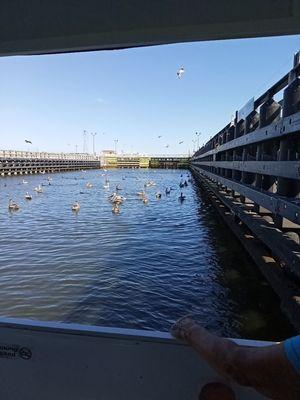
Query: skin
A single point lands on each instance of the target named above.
(265, 369)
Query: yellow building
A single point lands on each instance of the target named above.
(111, 160)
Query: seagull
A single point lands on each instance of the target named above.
(167, 145)
(159, 136)
(181, 142)
(28, 141)
(180, 72)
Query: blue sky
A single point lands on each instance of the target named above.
(134, 95)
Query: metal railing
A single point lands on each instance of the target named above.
(17, 154)
(258, 154)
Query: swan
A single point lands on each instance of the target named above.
(13, 206)
(76, 206)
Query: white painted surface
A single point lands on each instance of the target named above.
(92, 363)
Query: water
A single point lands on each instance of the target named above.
(143, 268)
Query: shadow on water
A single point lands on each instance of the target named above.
(256, 306)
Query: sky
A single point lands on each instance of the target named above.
(130, 97)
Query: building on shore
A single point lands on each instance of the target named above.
(110, 159)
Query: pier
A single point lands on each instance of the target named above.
(24, 162)
(250, 170)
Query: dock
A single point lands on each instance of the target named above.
(250, 170)
(14, 162)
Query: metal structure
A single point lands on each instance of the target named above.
(40, 360)
(37, 27)
(24, 162)
(169, 162)
(253, 167)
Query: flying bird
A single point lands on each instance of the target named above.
(181, 142)
(28, 141)
(180, 72)
(167, 145)
(159, 136)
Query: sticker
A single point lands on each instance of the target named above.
(14, 351)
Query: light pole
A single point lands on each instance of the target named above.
(84, 150)
(76, 147)
(116, 141)
(198, 135)
(194, 142)
(93, 136)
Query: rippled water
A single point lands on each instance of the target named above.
(142, 268)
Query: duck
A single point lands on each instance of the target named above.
(145, 200)
(89, 185)
(28, 196)
(168, 191)
(118, 188)
(185, 183)
(116, 209)
(181, 184)
(38, 189)
(13, 206)
(76, 206)
(158, 195)
(181, 197)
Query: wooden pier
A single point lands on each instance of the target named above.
(24, 162)
(251, 172)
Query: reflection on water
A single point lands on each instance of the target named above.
(142, 268)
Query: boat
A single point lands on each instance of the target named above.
(76, 206)
(38, 189)
(99, 356)
(13, 206)
(28, 196)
